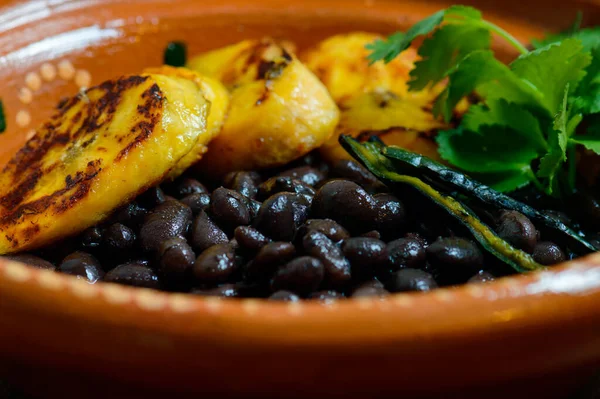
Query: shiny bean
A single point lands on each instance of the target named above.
(406, 252)
(516, 229)
(370, 289)
(245, 183)
(82, 265)
(205, 233)
(352, 170)
(151, 198)
(301, 275)
(390, 215)
(280, 184)
(268, 258)
(184, 186)
(284, 296)
(333, 230)
(366, 255)
(481, 276)
(306, 174)
(222, 291)
(548, 253)
(197, 202)
(250, 238)
(119, 237)
(167, 220)
(91, 238)
(176, 258)
(229, 208)
(133, 274)
(454, 253)
(281, 215)
(216, 264)
(411, 280)
(326, 296)
(337, 267)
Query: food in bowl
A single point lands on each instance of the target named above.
(255, 172)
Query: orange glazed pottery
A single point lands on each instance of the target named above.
(533, 336)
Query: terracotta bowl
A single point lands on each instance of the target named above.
(535, 335)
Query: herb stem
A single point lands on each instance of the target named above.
(505, 35)
(536, 182)
(572, 168)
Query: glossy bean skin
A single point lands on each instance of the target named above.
(82, 265)
(250, 239)
(300, 275)
(280, 184)
(333, 230)
(548, 253)
(352, 170)
(406, 252)
(268, 258)
(347, 203)
(454, 252)
(197, 202)
(481, 276)
(306, 174)
(167, 220)
(151, 198)
(516, 229)
(215, 265)
(133, 274)
(411, 280)
(337, 267)
(119, 237)
(229, 208)
(366, 255)
(284, 296)
(280, 216)
(245, 183)
(176, 259)
(222, 291)
(205, 233)
(184, 186)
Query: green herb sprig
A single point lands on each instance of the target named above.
(522, 130)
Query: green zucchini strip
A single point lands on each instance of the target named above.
(370, 156)
(437, 172)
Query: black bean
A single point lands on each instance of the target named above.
(268, 258)
(284, 296)
(91, 238)
(391, 215)
(30, 260)
(119, 237)
(337, 267)
(352, 170)
(454, 253)
(245, 183)
(326, 296)
(216, 264)
(301, 275)
(369, 289)
(418, 237)
(205, 233)
(548, 253)
(482, 276)
(167, 220)
(406, 252)
(223, 291)
(151, 198)
(185, 186)
(411, 280)
(372, 234)
(197, 202)
(229, 208)
(83, 265)
(366, 255)
(176, 258)
(329, 227)
(131, 215)
(250, 238)
(281, 184)
(347, 203)
(281, 215)
(253, 207)
(306, 174)
(133, 274)
(516, 229)
(587, 208)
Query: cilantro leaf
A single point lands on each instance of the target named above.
(589, 37)
(389, 49)
(505, 181)
(492, 149)
(551, 68)
(443, 50)
(499, 112)
(558, 137)
(590, 143)
(587, 96)
(481, 72)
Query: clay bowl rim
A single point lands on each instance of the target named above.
(545, 298)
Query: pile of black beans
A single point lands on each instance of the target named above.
(309, 231)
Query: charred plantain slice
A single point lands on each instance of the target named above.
(278, 111)
(97, 152)
(216, 94)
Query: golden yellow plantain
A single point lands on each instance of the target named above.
(216, 94)
(97, 152)
(279, 110)
(373, 99)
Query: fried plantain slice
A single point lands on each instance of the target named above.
(216, 94)
(97, 152)
(279, 110)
